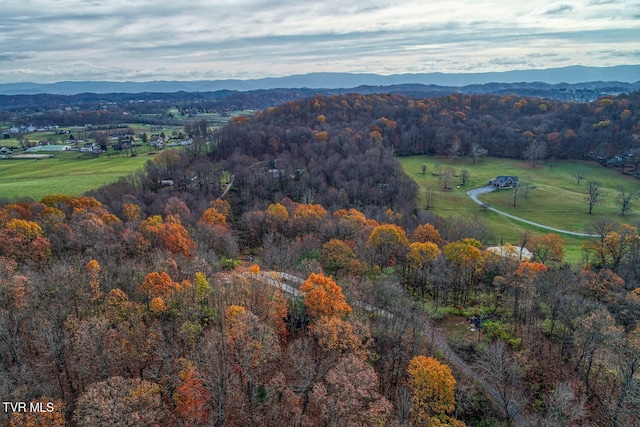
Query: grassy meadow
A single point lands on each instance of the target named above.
(67, 173)
(555, 199)
(75, 173)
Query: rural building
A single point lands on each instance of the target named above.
(48, 148)
(504, 181)
(90, 147)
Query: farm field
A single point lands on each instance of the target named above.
(67, 173)
(555, 199)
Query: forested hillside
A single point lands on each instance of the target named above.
(504, 125)
(145, 303)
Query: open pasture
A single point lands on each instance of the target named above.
(67, 173)
(554, 197)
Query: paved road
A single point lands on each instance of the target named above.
(439, 340)
(488, 189)
(226, 190)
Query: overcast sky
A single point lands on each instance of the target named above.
(141, 40)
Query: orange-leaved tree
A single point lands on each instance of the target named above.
(22, 240)
(432, 388)
(191, 395)
(547, 248)
(526, 275)
(323, 297)
(169, 233)
(339, 337)
(212, 217)
(466, 261)
(389, 244)
(161, 285)
(28, 229)
(427, 233)
(422, 253)
(93, 271)
(221, 206)
(251, 347)
(336, 255)
(277, 215)
(419, 268)
(309, 216)
(131, 212)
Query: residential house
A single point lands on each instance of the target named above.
(504, 181)
(90, 147)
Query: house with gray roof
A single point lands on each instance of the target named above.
(504, 181)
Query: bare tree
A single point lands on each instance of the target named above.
(525, 237)
(594, 196)
(477, 152)
(500, 370)
(526, 185)
(464, 176)
(625, 199)
(515, 192)
(596, 333)
(579, 174)
(562, 407)
(455, 151)
(627, 358)
(430, 197)
(602, 228)
(537, 150)
(447, 176)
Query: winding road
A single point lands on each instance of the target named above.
(488, 189)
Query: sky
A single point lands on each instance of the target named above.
(47, 41)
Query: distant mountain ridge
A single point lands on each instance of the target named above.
(624, 74)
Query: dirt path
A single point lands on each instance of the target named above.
(488, 189)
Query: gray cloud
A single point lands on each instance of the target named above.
(557, 9)
(15, 56)
(48, 40)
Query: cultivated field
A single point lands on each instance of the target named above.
(555, 198)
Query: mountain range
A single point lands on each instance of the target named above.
(627, 75)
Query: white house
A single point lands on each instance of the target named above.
(90, 147)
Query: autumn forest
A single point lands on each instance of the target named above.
(288, 277)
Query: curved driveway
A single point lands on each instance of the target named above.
(488, 189)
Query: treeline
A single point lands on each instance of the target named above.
(427, 122)
(503, 125)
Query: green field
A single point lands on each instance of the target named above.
(67, 173)
(75, 173)
(556, 199)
